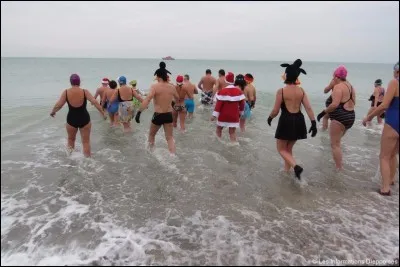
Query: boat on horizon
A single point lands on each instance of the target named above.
(168, 58)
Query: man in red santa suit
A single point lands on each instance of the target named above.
(229, 107)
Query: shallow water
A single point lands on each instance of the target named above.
(211, 204)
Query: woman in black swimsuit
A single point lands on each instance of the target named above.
(78, 117)
(291, 125)
(340, 111)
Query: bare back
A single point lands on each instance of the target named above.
(208, 82)
(293, 97)
(75, 96)
(164, 94)
(125, 92)
(342, 91)
(221, 83)
(182, 93)
(191, 89)
(100, 91)
(250, 92)
(109, 93)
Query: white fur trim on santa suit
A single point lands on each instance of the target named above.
(215, 114)
(241, 113)
(230, 98)
(228, 124)
(230, 95)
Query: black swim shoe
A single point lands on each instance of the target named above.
(297, 171)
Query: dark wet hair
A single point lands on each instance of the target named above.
(187, 77)
(161, 69)
(208, 71)
(239, 81)
(378, 82)
(221, 72)
(113, 84)
(162, 73)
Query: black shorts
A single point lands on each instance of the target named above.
(162, 118)
(104, 105)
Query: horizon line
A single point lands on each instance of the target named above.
(128, 58)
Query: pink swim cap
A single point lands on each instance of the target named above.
(75, 80)
(341, 72)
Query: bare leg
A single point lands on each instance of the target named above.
(116, 120)
(289, 149)
(174, 118)
(152, 134)
(242, 125)
(169, 130)
(182, 117)
(127, 127)
(232, 134)
(336, 132)
(325, 122)
(219, 131)
(369, 112)
(190, 116)
(111, 119)
(394, 164)
(282, 147)
(85, 136)
(71, 131)
(389, 141)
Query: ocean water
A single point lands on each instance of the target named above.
(212, 204)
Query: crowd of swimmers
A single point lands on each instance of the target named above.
(233, 98)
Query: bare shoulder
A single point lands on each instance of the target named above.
(393, 83)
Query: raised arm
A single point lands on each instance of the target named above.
(336, 97)
(329, 87)
(60, 103)
(94, 102)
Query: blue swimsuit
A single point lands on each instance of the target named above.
(392, 114)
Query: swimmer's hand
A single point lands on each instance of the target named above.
(313, 128)
(213, 118)
(320, 115)
(137, 117)
(269, 120)
(365, 121)
(52, 114)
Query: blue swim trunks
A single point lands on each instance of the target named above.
(189, 104)
(247, 111)
(113, 107)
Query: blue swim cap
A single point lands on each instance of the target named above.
(122, 80)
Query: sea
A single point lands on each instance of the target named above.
(213, 203)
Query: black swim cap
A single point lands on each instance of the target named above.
(378, 82)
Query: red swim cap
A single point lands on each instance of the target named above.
(179, 79)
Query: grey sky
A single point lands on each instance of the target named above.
(313, 31)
